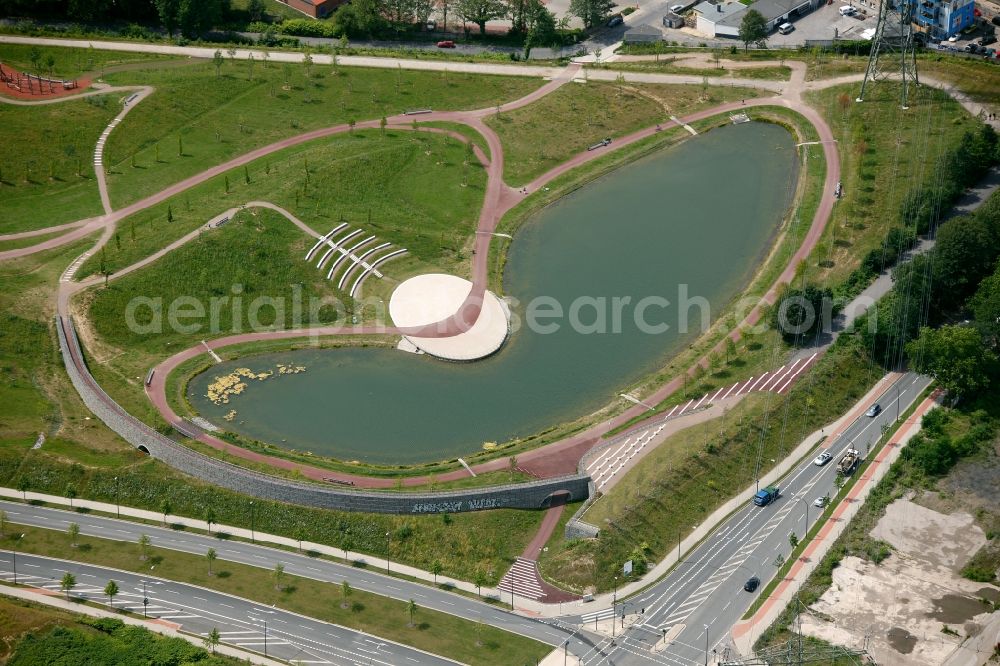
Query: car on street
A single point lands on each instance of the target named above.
(953, 39)
(446, 44)
(823, 459)
(615, 20)
(820, 502)
(751, 584)
(874, 411)
(676, 9)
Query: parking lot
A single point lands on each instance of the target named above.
(827, 23)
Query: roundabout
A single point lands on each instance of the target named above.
(426, 299)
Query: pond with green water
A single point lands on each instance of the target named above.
(627, 259)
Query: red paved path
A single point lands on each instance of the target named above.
(554, 459)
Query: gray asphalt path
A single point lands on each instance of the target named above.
(549, 632)
(240, 622)
(700, 600)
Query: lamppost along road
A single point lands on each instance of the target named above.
(258, 555)
(242, 623)
(707, 587)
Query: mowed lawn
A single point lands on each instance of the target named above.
(46, 161)
(70, 63)
(542, 135)
(417, 190)
(886, 153)
(464, 640)
(197, 119)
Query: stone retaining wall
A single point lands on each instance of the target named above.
(533, 495)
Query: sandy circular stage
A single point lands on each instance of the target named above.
(426, 299)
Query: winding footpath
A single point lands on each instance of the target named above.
(560, 457)
(554, 459)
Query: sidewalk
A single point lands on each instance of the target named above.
(259, 537)
(42, 597)
(744, 632)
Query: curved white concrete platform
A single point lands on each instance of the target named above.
(433, 297)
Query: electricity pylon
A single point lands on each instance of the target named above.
(892, 51)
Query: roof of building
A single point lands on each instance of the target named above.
(718, 12)
(770, 9)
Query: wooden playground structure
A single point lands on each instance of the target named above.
(24, 84)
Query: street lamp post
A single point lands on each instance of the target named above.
(706, 645)
(145, 599)
(13, 556)
(253, 537)
(614, 604)
(387, 551)
(565, 651)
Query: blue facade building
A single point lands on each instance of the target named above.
(944, 18)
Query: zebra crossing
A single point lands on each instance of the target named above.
(605, 467)
(523, 579)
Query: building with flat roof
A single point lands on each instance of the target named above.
(944, 18)
(642, 33)
(723, 20)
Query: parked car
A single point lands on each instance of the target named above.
(446, 44)
(874, 411)
(786, 28)
(676, 9)
(823, 459)
(953, 39)
(820, 502)
(615, 20)
(847, 10)
(971, 47)
(987, 39)
(751, 584)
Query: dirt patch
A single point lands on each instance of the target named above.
(941, 539)
(914, 607)
(901, 640)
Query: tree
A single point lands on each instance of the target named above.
(213, 638)
(541, 25)
(23, 486)
(35, 56)
(985, 307)
(779, 561)
(512, 466)
(144, 547)
(167, 11)
(436, 568)
(210, 518)
(345, 593)
(411, 608)
(166, 509)
(70, 493)
(73, 531)
(479, 580)
(753, 29)
(963, 255)
(793, 539)
(800, 314)
(67, 583)
(218, 60)
(170, 214)
(111, 591)
(954, 356)
(255, 9)
(480, 11)
(307, 61)
(381, 125)
(360, 18)
(278, 575)
(591, 12)
(196, 17)
(211, 557)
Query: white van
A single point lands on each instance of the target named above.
(847, 10)
(785, 28)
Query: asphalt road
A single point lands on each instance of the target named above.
(551, 632)
(240, 622)
(699, 601)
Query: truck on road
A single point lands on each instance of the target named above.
(849, 461)
(766, 495)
